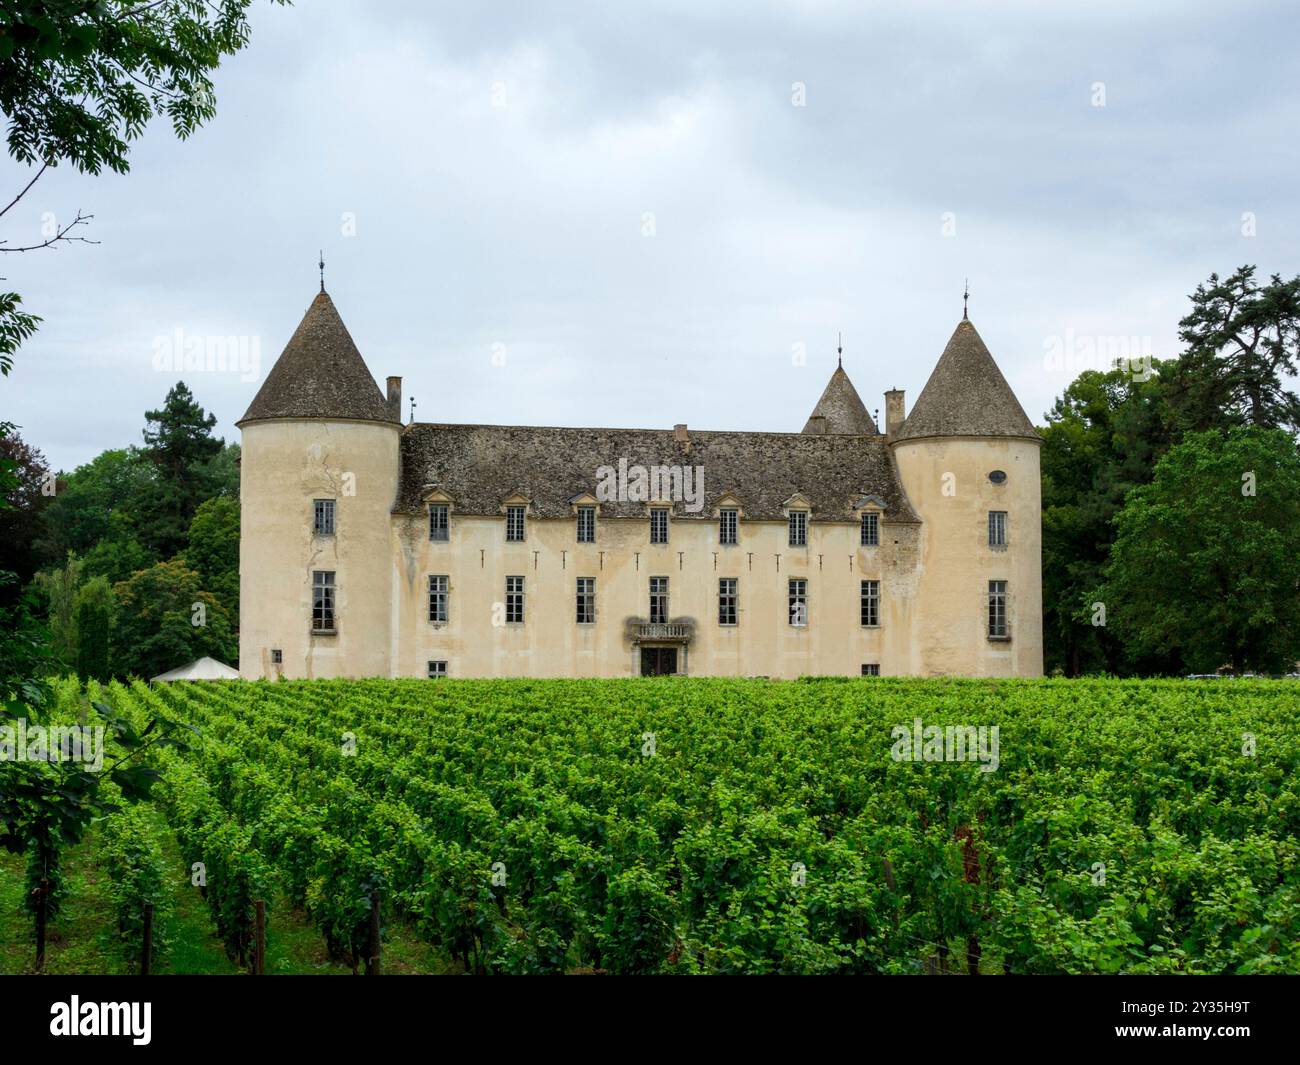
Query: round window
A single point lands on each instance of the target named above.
(997, 477)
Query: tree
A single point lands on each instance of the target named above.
(1206, 563)
(165, 618)
(220, 475)
(1241, 340)
(213, 551)
(94, 606)
(96, 503)
(60, 587)
(81, 79)
(1103, 437)
(180, 445)
(26, 497)
(119, 554)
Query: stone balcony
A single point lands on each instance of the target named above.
(675, 630)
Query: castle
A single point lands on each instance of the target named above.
(373, 548)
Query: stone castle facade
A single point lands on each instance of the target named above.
(373, 548)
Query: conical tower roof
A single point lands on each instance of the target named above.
(966, 395)
(320, 374)
(842, 409)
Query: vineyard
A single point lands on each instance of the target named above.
(719, 826)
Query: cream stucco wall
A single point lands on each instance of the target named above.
(551, 643)
(933, 575)
(948, 484)
(284, 467)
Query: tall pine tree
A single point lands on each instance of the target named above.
(1241, 340)
(179, 443)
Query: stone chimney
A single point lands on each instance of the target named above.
(395, 398)
(816, 425)
(895, 411)
(680, 434)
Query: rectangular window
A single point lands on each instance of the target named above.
(871, 530)
(514, 600)
(438, 522)
(437, 599)
(324, 522)
(871, 669)
(658, 600)
(997, 528)
(437, 669)
(515, 524)
(586, 600)
(798, 528)
(727, 524)
(727, 600)
(998, 610)
(277, 656)
(798, 602)
(586, 525)
(322, 600)
(659, 525)
(870, 603)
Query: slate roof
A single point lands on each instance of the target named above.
(479, 466)
(320, 374)
(841, 409)
(966, 395)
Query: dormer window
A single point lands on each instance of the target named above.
(515, 524)
(870, 529)
(659, 525)
(439, 522)
(798, 528)
(728, 525)
(586, 525)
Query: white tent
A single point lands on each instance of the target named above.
(200, 669)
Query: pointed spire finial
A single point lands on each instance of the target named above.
(964, 297)
(412, 410)
(322, 270)
(839, 351)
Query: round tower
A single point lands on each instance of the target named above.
(969, 461)
(318, 478)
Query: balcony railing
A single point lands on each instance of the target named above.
(679, 630)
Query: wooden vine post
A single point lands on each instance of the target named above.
(42, 909)
(146, 949)
(971, 868)
(259, 938)
(372, 962)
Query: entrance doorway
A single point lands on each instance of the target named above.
(658, 661)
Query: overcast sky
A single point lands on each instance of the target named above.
(619, 214)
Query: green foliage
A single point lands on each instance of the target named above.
(156, 629)
(1102, 439)
(59, 586)
(130, 853)
(180, 445)
(25, 657)
(1207, 559)
(234, 874)
(95, 508)
(518, 826)
(1107, 432)
(94, 607)
(24, 489)
(213, 550)
(1242, 341)
(81, 79)
(15, 327)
